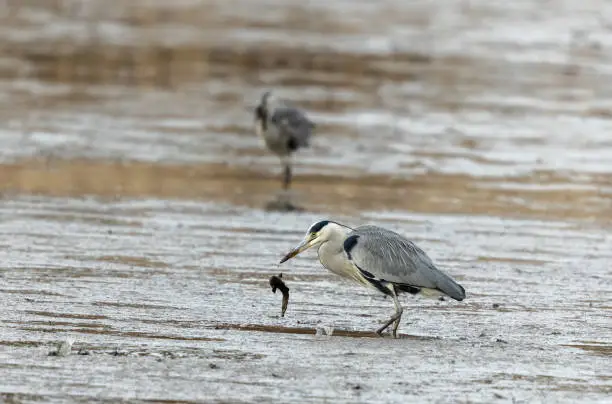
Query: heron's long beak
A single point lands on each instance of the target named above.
(308, 242)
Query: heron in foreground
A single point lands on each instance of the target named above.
(377, 258)
(283, 128)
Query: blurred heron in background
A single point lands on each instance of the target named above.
(283, 128)
(377, 258)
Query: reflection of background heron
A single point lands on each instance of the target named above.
(378, 258)
(284, 129)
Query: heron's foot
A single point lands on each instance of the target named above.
(395, 320)
(284, 194)
(282, 203)
(383, 328)
(379, 332)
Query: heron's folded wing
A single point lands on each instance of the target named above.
(389, 256)
(295, 123)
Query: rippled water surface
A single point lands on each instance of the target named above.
(134, 217)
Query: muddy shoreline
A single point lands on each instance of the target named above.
(133, 197)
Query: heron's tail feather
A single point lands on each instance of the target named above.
(447, 285)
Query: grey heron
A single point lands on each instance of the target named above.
(283, 128)
(377, 258)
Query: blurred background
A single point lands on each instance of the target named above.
(133, 191)
(505, 106)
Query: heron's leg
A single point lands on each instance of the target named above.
(286, 173)
(396, 317)
(398, 312)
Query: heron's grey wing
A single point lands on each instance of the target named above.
(388, 256)
(295, 123)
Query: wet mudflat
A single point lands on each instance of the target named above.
(132, 215)
(171, 301)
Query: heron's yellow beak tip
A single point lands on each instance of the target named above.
(304, 245)
(289, 255)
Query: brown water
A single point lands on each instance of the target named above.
(134, 193)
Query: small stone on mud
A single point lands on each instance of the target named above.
(117, 352)
(324, 331)
(64, 348)
(168, 354)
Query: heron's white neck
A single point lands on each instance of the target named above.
(330, 251)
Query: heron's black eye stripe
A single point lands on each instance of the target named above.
(318, 226)
(349, 244)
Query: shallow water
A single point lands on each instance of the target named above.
(133, 200)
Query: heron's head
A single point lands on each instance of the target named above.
(317, 234)
(264, 107)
